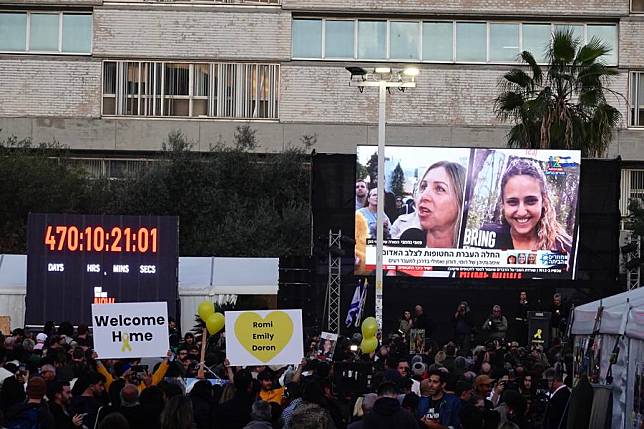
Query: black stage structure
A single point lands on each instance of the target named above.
(333, 204)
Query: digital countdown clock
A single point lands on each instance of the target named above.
(76, 260)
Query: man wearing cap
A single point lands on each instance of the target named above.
(438, 409)
(34, 412)
(482, 388)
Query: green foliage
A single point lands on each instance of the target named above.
(398, 181)
(565, 107)
(361, 171)
(230, 201)
(635, 218)
(372, 169)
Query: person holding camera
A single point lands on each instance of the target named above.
(496, 325)
(463, 326)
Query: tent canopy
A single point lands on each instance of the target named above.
(623, 314)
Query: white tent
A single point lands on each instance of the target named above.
(200, 278)
(622, 322)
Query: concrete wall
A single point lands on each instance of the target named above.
(469, 7)
(31, 86)
(631, 42)
(140, 134)
(211, 33)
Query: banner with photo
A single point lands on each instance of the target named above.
(470, 212)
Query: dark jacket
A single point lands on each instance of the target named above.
(449, 409)
(235, 413)
(557, 410)
(29, 414)
(62, 419)
(387, 414)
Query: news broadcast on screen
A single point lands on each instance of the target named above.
(470, 212)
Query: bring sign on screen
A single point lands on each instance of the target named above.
(470, 212)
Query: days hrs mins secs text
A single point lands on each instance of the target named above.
(119, 239)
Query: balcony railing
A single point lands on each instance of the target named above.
(247, 2)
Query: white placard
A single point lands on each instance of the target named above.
(264, 337)
(130, 330)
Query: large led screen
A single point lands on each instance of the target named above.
(470, 212)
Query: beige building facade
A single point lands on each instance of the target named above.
(106, 76)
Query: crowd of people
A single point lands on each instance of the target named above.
(52, 379)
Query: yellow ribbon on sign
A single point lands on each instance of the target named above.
(537, 335)
(126, 342)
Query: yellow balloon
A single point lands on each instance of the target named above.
(369, 327)
(215, 323)
(205, 309)
(369, 345)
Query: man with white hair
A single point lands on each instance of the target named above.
(261, 416)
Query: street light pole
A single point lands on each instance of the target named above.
(384, 78)
(380, 215)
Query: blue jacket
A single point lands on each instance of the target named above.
(448, 411)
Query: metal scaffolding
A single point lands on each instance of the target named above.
(333, 283)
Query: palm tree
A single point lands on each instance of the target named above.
(565, 107)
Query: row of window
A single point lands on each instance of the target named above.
(219, 90)
(435, 41)
(636, 99)
(46, 32)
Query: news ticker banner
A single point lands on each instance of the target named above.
(130, 330)
(474, 213)
(264, 337)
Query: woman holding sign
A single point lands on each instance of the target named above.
(527, 212)
(439, 203)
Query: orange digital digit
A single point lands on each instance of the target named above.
(88, 238)
(116, 233)
(72, 238)
(99, 239)
(128, 239)
(153, 235)
(61, 231)
(49, 238)
(142, 240)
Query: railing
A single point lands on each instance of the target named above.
(248, 2)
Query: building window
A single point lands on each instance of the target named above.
(404, 38)
(504, 42)
(338, 41)
(470, 41)
(372, 39)
(46, 32)
(436, 41)
(637, 6)
(219, 90)
(636, 99)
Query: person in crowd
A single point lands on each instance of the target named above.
(422, 321)
(557, 408)
(131, 408)
(370, 213)
(482, 388)
(437, 408)
(261, 416)
(361, 194)
(91, 387)
(174, 336)
(387, 411)
(114, 420)
(405, 324)
(177, 413)
(60, 395)
(463, 326)
(520, 325)
(33, 413)
(439, 203)
(496, 325)
(558, 317)
(310, 416)
(202, 399)
(270, 390)
(528, 215)
(235, 413)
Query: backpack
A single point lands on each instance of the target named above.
(29, 418)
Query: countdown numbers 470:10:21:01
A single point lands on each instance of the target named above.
(97, 239)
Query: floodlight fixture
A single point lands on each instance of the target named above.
(382, 70)
(357, 71)
(411, 71)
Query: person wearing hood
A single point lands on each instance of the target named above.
(387, 412)
(261, 416)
